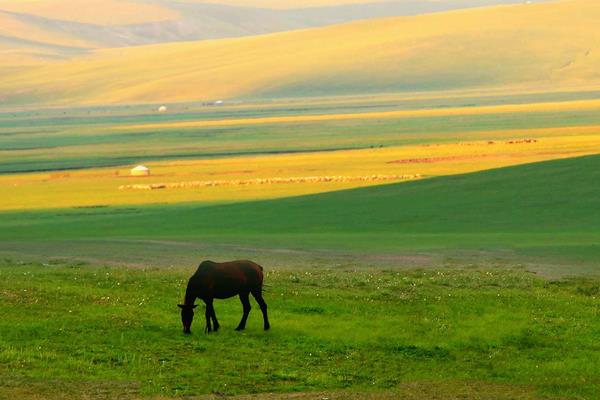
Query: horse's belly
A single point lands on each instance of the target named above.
(225, 290)
(225, 294)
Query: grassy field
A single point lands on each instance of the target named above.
(244, 178)
(98, 137)
(74, 330)
(547, 210)
(441, 241)
(478, 279)
(79, 212)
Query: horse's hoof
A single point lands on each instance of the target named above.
(267, 327)
(239, 329)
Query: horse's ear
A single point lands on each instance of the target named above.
(180, 305)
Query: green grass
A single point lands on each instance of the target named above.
(350, 313)
(548, 209)
(87, 137)
(80, 327)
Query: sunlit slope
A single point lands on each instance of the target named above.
(549, 43)
(548, 208)
(235, 179)
(113, 24)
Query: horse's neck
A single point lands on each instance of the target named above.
(190, 297)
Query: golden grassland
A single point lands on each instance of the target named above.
(525, 44)
(97, 187)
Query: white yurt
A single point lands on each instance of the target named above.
(162, 109)
(140, 170)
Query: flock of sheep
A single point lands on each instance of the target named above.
(269, 181)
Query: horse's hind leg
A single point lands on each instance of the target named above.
(263, 307)
(244, 297)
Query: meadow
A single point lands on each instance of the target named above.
(71, 330)
(476, 278)
(114, 136)
(81, 157)
(543, 212)
(422, 192)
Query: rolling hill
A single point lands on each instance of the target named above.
(553, 44)
(32, 26)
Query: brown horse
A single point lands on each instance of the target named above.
(221, 281)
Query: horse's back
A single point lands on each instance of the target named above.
(242, 265)
(229, 278)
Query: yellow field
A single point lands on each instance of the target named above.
(101, 186)
(554, 43)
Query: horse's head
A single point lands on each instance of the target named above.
(187, 316)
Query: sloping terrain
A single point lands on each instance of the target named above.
(525, 44)
(548, 209)
(37, 29)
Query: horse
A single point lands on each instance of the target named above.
(222, 281)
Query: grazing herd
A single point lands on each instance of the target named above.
(269, 181)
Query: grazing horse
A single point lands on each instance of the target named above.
(221, 281)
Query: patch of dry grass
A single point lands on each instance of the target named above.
(99, 187)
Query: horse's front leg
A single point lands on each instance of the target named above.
(208, 314)
(214, 318)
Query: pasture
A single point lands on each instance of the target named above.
(114, 136)
(71, 330)
(422, 192)
(243, 178)
(540, 213)
(453, 253)
(81, 157)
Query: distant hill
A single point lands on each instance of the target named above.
(539, 44)
(36, 28)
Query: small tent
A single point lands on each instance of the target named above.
(140, 170)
